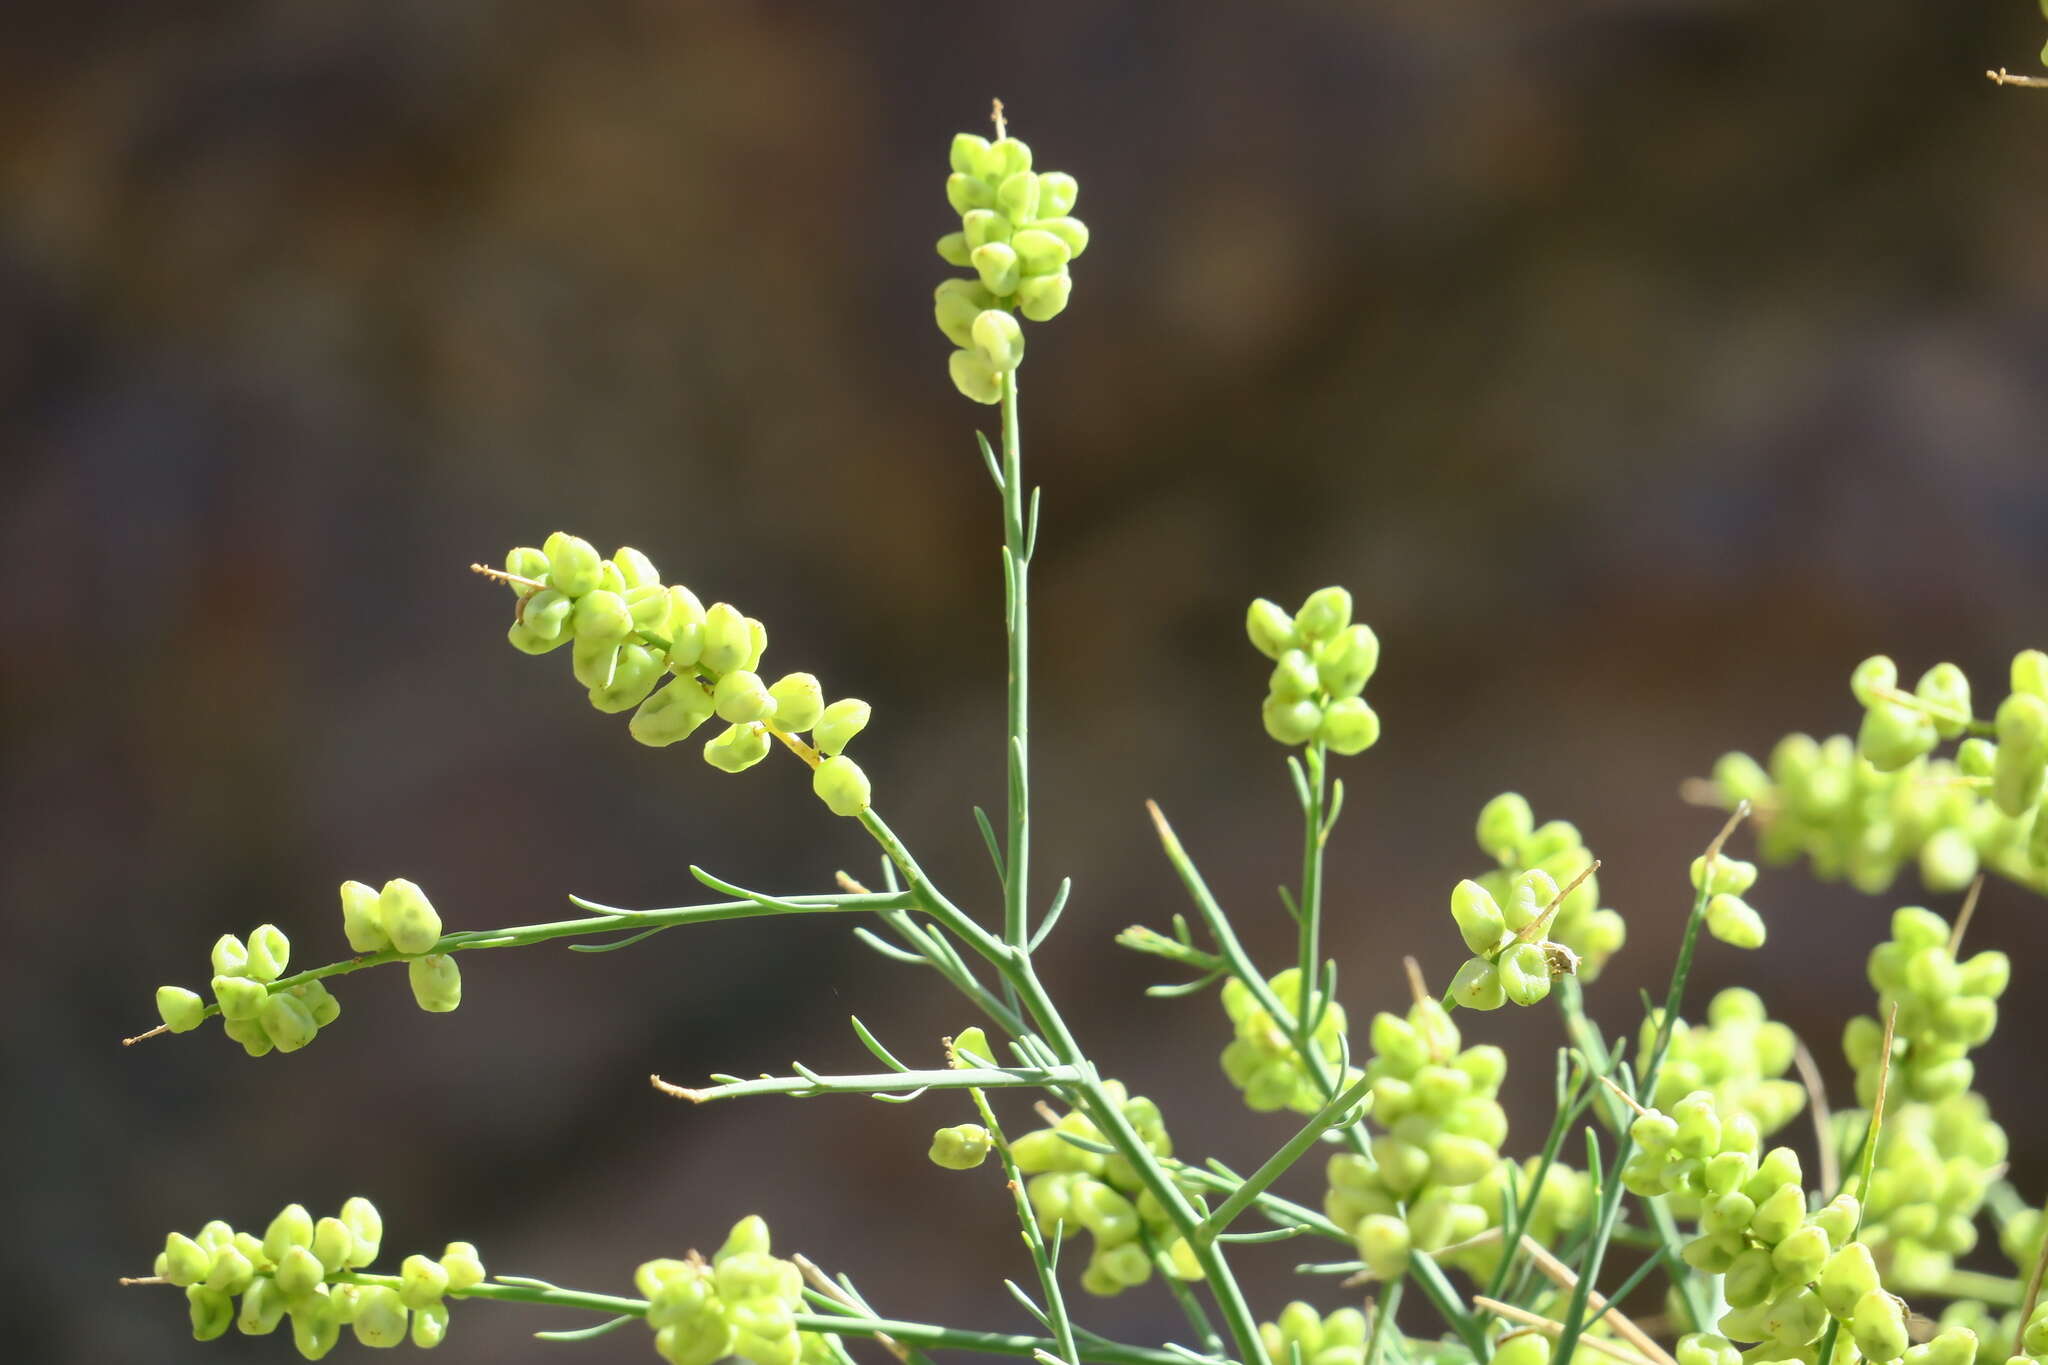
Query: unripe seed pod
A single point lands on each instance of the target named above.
(1706, 1348)
(741, 697)
(1948, 861)
(465, 1268)
(240, 998)
(839, 723)
(269, 953)
(799, 701)
(286, 1022)
(408, 917)
(737, 748)
(671, 713)
(970, 1046)
(998, 266)
(1270, 627)
(436, 982)
(635, 568)
(230, 956)
(180, 1009)
(422, 1282)
(1529, 895)
(841, 785)
(2030, 666)
(998, 340)
(362, 919)
(1345, 662)
(1524, 974)
(1041, 298)
(525, 562)
(727, 640)
(574, 566)
(1800, 1256)
(1290, 722)
(1778, 1216)
(1478, 915)
(1004, 158)
(1733, 921)
(1327, 611)
(960, 1148)
(380, 1316)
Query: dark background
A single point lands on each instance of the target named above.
(1640, 366)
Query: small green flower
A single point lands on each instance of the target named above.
(960, 1148)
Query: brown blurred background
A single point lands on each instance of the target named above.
(1640, 366)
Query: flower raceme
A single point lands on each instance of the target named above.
(656, 650)
(1321, 662)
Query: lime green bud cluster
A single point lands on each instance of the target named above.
(1945, 1008)
(742, 1303)
(1863, 808)
(1936, 1164)
(631, 631)
(253, 1011)
(311, 1271)
(1436, 1101)
(1075, 1185)
(1321, 662)
(1513, 958)
(1338, 1339)
(1263, 1061)
(2033, 1342)
(1508, 833)
(1739, 1057)
(400, 919)
(1017, 234)
(1562, 1203)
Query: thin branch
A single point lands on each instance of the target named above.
(1562, 1276)
(2004, 77)
(1551, 1327)
(1823, 1117)
(825, 1285)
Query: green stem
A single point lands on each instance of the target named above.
(1309, 905)
(1034, 1240)
(1296, 1148)
(1017, 566)
(989, 1343)
(1997, 1290)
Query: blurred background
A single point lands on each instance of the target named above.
(1640, 367)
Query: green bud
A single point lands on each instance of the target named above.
(595, 663)
(1878, 1324)
(1041, 298)
(1944, 686)
(2016, 776)
(635, 671)
(672, 713)
(1072, 231)
(528, 642)
(955, 306)
(1018, 196)
(953, 248)
(1778, 1216)
(1895, 734)
(602, 617)
(1057, 193)
(1505, 824)
(1327, 611)
(998, 266)
(230, 956)
(185, 1262)
(1270, 627)
(429, 1325)
(574, 566)
(799, 701)
(1740, 778)
(422, 1282)
(741, 698)
(2030, 666)
(249, 1033)
(998, 340)
(1948, 860)
(1477, 986)
(1291, 722)
(737, 748)
(1733, 921)
(970, 1046)
(1040, 253)
(293, 1227)
(727, 639)
(240, 998)
(960, 1148)
(180, 1009)
(984, 226)
(1976, 757)
(362, 918)
(546, 614)
(299, 1272)
(1004, 158)
(286, 1022)
(1526, 1348)
(465, 1268)
(1524, 974)
(1731, 876)
(968, 192)
(685, 628)
(649, 605)
(436, 982)
(212, 1312)
(1872, 679)
(1529, 895)
(841, 785)
(269, 953)
(408, 917)
(841, 721)
(262, 1309)
(380, 1316)
(366, 1226)
(525, 562)
(973, 377)
(333, 1244)
(1478, 916)
(1800, 1256)
(757, 644)
(1383, 1245)
(1293, 677)
(1346, 661)
(316, 1327)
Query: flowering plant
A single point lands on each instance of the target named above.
(1760, 1259)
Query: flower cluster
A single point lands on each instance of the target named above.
(1739, 1057)
(400, 919)
(1435, 1100)
(1017, 233)
(1304, 1335)
(1512, 956)
(1508, 833)
(1100, 1191)
(629, 631)
(1945, 1008)
(1321, 662)
(1263, 1061)
(742, 1303)
(253, 1013)
(313, 1273)
(1563, 1202)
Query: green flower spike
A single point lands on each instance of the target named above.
(1320, 664)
